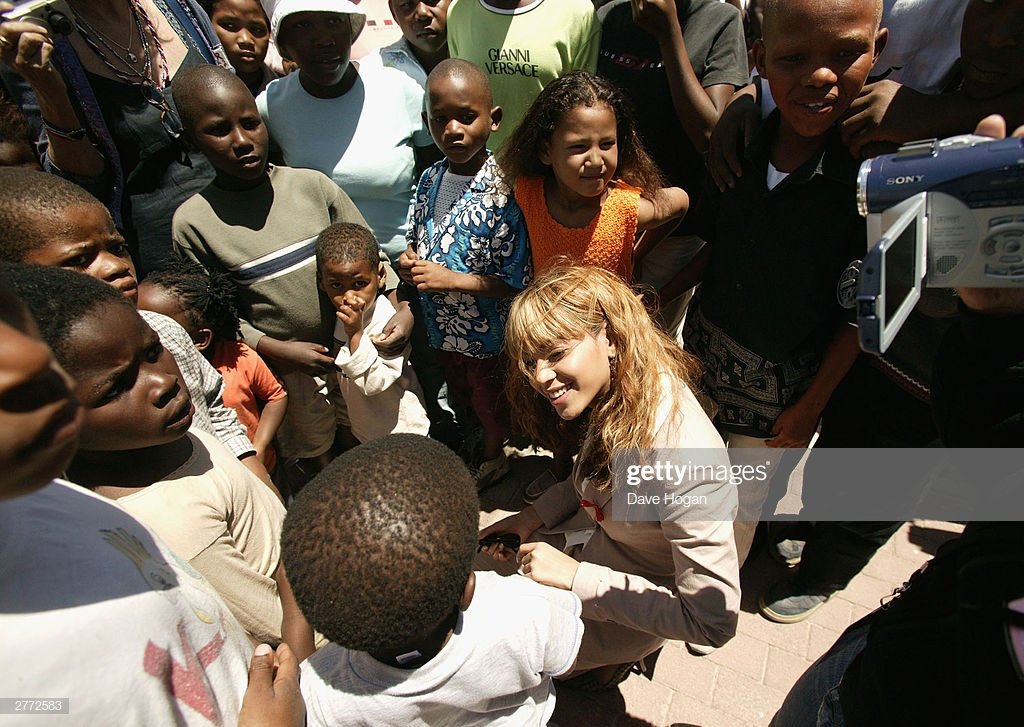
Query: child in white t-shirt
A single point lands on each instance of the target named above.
(379, 550)
(382, 393)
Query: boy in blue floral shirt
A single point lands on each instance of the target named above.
(468, 252)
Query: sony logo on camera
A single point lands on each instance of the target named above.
(912, 179)
(974, 231)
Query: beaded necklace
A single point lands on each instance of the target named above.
(150, 88)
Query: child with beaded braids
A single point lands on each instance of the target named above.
(204, 304)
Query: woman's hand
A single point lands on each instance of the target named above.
(523, 524)
(26, 47)
(547, 565)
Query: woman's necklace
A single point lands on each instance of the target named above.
(87, 30)
(150, 87)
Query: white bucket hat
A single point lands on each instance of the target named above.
(280, 9)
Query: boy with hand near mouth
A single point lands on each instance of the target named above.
(382, 394)
(768, 326)
(258, 223)
(468, 251)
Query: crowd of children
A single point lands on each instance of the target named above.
(391, 272)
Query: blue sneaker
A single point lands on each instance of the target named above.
(786, 603)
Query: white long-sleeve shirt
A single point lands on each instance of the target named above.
(382, 393)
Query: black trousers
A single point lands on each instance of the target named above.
(868, 409)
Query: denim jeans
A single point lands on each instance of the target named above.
(814, 699)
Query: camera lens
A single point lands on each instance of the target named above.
(862, 187)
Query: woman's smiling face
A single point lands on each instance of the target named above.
(571, 374)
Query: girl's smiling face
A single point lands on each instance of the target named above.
(573, 373)
(583, 151)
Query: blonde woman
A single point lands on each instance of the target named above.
(588, 355)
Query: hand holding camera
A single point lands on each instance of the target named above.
(26, 36)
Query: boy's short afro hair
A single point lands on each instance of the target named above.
(194, 83)
(31, 200)
(345, 242)
(462, 69)
(58, 299)
(209, 298)
(379, 546)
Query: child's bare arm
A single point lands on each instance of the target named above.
(428, 277)
(270, 421)
(669, 203)
(697, 108)
(796, 425)
(733, 132)
(309, 358)
(295, 630)
(691, 274)
(392, 340)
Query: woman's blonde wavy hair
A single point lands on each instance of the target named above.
(566, 303)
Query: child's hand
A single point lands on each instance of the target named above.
(351, 313)
(405, 263)
(547, 565)
(428, 276)
(733, 133)
(272, 698)
(655, 16)
(794, 427)
(887, 113)
(287, 356)
(396, 333)
(523, 524)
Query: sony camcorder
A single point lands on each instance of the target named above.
(942, 214)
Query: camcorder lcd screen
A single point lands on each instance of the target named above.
(892, 274)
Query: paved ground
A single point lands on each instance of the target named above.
(744, 682)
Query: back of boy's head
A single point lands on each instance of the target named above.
(520, 155)
(459, 68)
(193, 87)
(30, 203)
(379, 546)
(345, 242)
(58, 299)
(208, 298)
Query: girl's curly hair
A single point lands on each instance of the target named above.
(520, 156)
(569, 302)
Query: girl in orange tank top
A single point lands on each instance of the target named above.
(585, 184)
